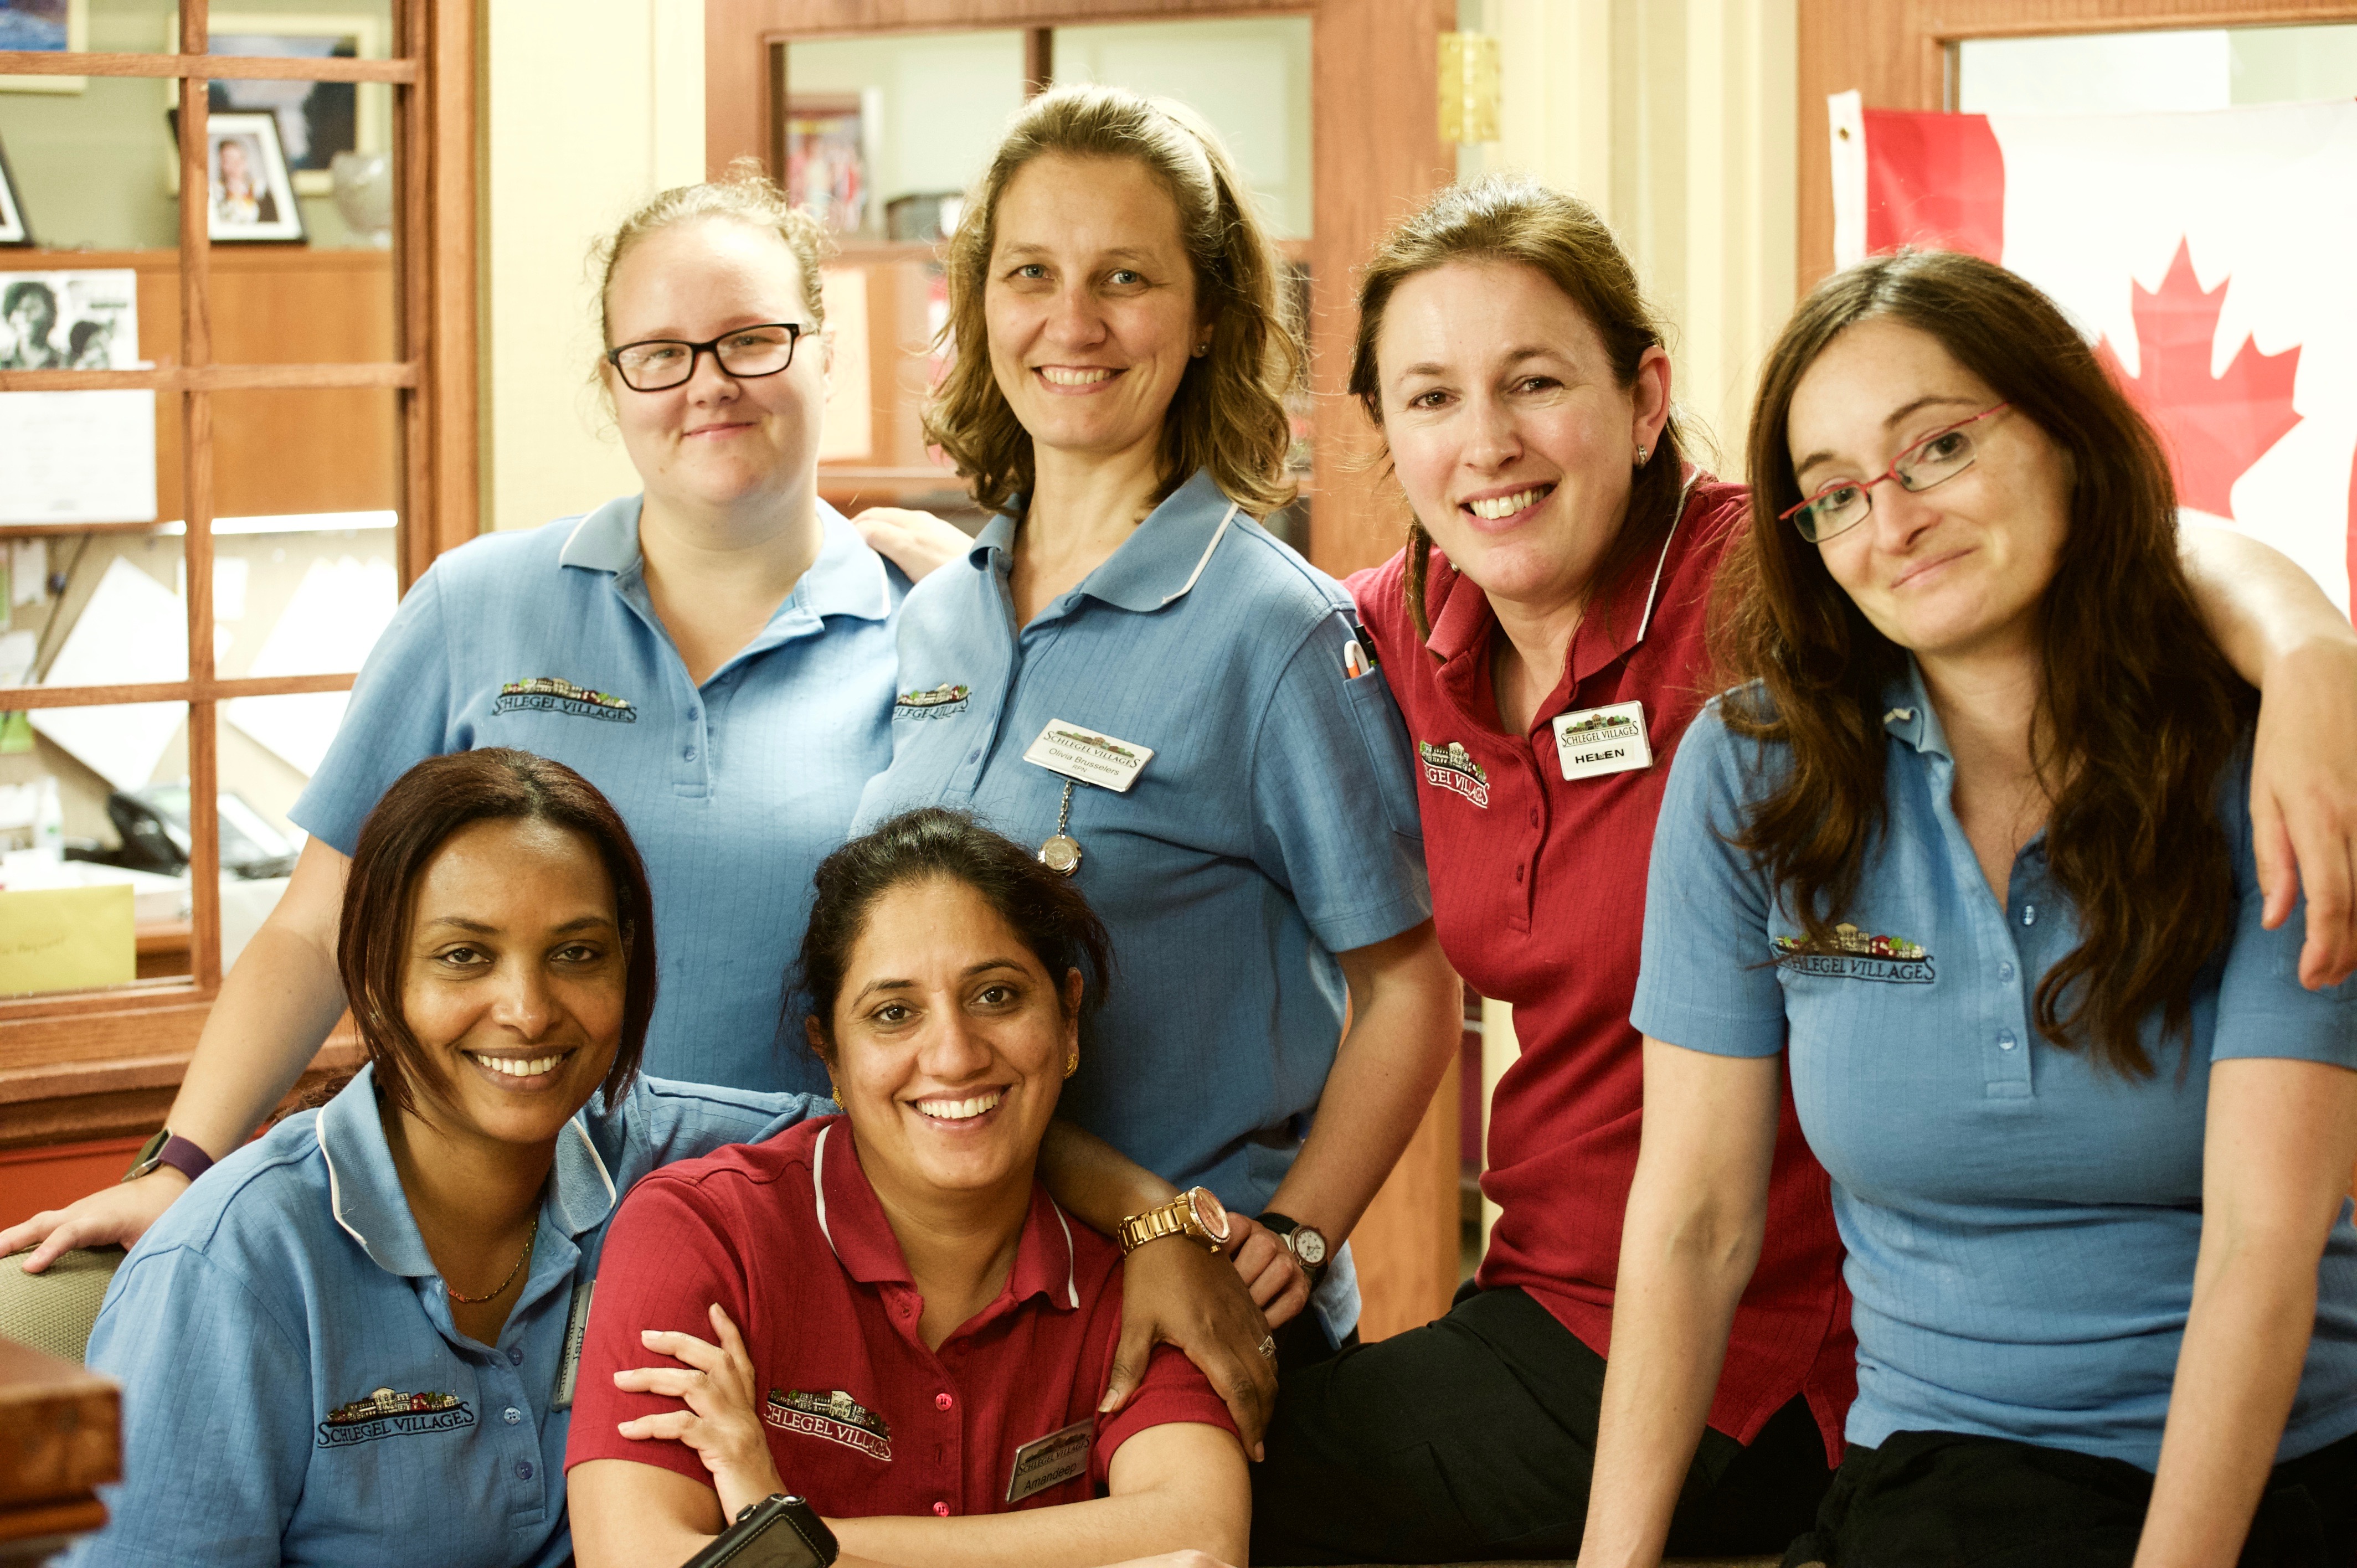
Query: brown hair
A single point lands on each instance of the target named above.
(416, 817)
(1520, 222)
(2137, 708)
(1050, 915)
(1228, 415)
(746, 194)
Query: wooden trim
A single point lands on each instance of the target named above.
(1895, 52)
(17, 699)
(1039, 60)
(219, 378)
(199, 67)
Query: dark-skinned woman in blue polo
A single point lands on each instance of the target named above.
(1128, 671)
(1971, 860)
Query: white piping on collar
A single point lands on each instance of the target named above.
(1686, 493)
(1189, 587)
(575, 537)
(818, 1187)
(1072, 1287)
(335, 1188)
(595, 1159)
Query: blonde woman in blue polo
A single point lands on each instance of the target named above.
(715, 653)
(1126, 670)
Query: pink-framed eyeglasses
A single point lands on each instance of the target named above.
(1845, 503)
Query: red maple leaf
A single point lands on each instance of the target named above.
(2215, 427)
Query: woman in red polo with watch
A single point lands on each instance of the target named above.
(885, 1311)
(1543, 635)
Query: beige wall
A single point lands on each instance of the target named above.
(591, 106)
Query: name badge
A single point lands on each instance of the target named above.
(1092, 758)
(1597, 741)
(576, 1328)
(1051, 1461)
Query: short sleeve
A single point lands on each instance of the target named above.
(1174, 1391)
(2263, 1009)
(1707, 983)
(665, 1263)
(399, 715)
(1334, 799)
(659, 1121)
(215, 1416)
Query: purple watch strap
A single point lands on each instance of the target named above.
(184, 1158)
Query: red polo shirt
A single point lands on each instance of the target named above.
(1538, 890)
(862, 1419)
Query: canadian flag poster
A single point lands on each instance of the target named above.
(2210, 257)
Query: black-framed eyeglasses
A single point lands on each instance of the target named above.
(1845, 503)
(658, 364)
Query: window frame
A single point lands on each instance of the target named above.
(96, 1064)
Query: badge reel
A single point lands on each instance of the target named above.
(1082, 756)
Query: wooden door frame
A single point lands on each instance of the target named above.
(1376, 151)
(1895, 52)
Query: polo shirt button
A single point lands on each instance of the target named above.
(516, 1354)
(975, 756)
(1534, 816)
(511, 1415)
(1518, 873)
(689, 754)
(2029, 914)
(523, 1469)
(694, 715)
(2005, 971)
(942, 1401)
(942, 1510)
(2006, 1041)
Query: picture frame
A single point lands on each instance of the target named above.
(252, 198)
(316, 120)
(13, 230)
(45, 25)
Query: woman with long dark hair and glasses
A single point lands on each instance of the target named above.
(1969, 858)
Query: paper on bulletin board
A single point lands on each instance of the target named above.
(75, 456)
(133, 629)
(66, 939)
(848, 435)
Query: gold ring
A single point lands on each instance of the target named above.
(1268, 1346)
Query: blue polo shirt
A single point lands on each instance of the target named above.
(2021, 1223)
(1275, 826)
(734, 790)
(292, 1386)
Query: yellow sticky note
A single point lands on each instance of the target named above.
(65, 938)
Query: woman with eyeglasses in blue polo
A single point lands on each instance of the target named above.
(1127, 671)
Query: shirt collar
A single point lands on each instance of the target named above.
(852, 1219)
(1908, 714)
(364, 1189)
(1162, 559)
(847, 579)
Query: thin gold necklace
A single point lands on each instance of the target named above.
(501, 1289)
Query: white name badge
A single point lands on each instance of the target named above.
(576, 1328)
(1091, 757)
(1597, 741)
(1051, 1461)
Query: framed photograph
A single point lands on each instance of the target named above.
(61, 26)
(252, 195)
(316, 120)
(13, 230)
(826, 166)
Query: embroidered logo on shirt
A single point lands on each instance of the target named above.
(563, 697)
(1451, 766)
(836, 1417)
(943, 702)
(1853, 954)
(388, 1413)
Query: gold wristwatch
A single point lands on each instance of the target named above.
(1195, 1213)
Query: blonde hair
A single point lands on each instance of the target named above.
(746, 194)
(1228, 415)
(1523, 223)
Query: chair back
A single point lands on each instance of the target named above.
(53, 1311)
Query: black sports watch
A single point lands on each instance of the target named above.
(1306, 1242)
(780, 1531)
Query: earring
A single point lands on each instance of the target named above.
(1201, 349)
(1643, 453)
(834, 1091)
(1072, 1063)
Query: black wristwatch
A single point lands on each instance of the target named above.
(778, 1531)
(1306, 1242)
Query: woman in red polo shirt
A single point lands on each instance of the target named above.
(926, 1337)
(1542, 632)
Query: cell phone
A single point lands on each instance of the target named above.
(778, 1531)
